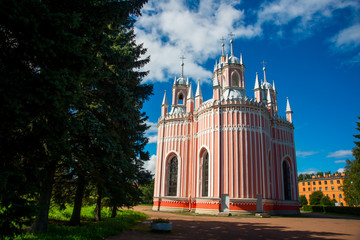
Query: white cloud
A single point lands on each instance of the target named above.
(305, 153)
(340, 161)
(153, 127)
(304, 14)
(170, 29)
(348, 38)
(341, 170)
(309, 171)
(340, 154)
(152, 139)
(151, 164)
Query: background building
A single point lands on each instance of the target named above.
(330, 185)
(229, 153)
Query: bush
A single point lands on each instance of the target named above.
(303, 201)
(330, 209)
(307, 208)
(316, 197)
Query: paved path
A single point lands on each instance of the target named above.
(214, 227)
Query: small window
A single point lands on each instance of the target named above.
(332, 182)
(340, 195)
(181, 99)
(303, 184)
(325, 182)
(304, 189)
(338, 181)
(314, 188)
(333, 195)
(309, 189)
(319, 182)
(320, 188)
(339, 188)
(332, 188)
(314, 183)
(327, 195)
(326, 188)
(308, 183)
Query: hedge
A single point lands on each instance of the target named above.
(329, 209)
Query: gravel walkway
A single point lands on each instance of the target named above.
(185, 226)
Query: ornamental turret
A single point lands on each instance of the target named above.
(164, 106)
(288, 111)
(198, 96)
(190, 101)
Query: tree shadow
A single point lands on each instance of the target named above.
(211, 230)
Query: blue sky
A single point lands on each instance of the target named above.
(312, 51)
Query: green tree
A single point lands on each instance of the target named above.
(41, 68)
(325, 201)
(351, 186)
(71, 97)
(315, 197)
(301, 177)
(319, 173)
(147, 191)
(303, 201)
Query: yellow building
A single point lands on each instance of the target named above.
(330, 185)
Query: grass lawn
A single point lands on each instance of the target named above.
(89, 229)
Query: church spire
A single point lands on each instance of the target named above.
(222, 39)
(241, 60)
(198, 90)
(257, 85)
(182, 65)
(190, 93)
(264, 69)
(164, 106)
(231, 43)
(288, 111)
(165, 101)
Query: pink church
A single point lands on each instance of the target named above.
(229, 154)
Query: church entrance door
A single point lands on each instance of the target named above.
(225, 202)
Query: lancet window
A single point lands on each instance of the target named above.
(205, 175)
(172, 170)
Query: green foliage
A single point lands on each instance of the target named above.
(71, 97)
(316, 197)
(147, 191)
(351, 186)
(331, 209)
(307, 208)
(160, 220)
(91, 230)
(303, 201)
(305, 176)
(325, 201)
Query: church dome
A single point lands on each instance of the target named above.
(232, 94)
(266, 85)
(181, 81)
(233, 59)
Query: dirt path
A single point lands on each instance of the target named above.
(213, 227)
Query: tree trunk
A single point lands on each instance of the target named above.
(113, 212)
(41, 222)
(98, 207)
(75, 217)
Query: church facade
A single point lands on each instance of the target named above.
(228, 154)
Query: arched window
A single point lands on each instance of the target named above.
(205, 175)
(181, 99)
(286, 180)
(235, 79)
(172, 170)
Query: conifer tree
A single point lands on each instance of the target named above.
(351, 186)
